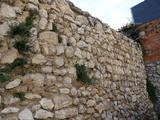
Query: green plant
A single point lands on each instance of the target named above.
(131, 31)
(60, 39)
(6, 72)
(22, 46)
(54, 27)
(20, 95)
(23, 29)
(82, 74)
(0, 43)
(151, 92)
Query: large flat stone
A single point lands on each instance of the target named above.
(66, 113)
(10, 56)
(62, 101)
(50, 37)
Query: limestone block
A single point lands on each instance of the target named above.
(47, 103)
(7, 11)
(43, 114)
(10, 56)
(13, 84)
(62, 101)
(49, 37)
(26, 114)
(9, 110)
(38, 59)
(66, 113)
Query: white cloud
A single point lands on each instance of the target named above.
(116, 12)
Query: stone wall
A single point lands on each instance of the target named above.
(48, 81)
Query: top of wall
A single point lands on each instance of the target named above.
(146, 11)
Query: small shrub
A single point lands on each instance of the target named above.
(130, 30)
(54, 27)
(22, 46)
(17, 62)
(60, 40)
(23, 29)
(82, 74)
(20, 96)
(6, 72)
(151, 92)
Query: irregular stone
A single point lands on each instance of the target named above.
(36, 2)
(50, 80)
(60, 72)
(60, 50)
(43, 114)
(32, 96)
(50, 37)
(4, 28)
(69, 52)
(81, 109)
(47, 103)
(78, 53)
(81, 31)
(9, 99)
(30, 6)
(36, 107)
(47, 69)
(90, 110)
(64, 7)
(9, 110)
(66, 113)
(38, 79)
(82, 44)
(7, 11)
(59, 61)
(17, 10)
(43, 23)
(38, 59)
(73, 91)
(82, 19)
(69, 18)
(64, 90)
(13, 84)
(10, 56)
(72, 41)
(90, 40)
(19, 3)
(91, 103)
(100, 108)
(67, 80)
(45, 49)
(99, 26)
(26, 114)
(62, 101)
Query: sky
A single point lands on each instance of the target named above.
(116, 13)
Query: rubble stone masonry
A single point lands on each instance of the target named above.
(49, 84)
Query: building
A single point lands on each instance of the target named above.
(146, 11)
(147, 14)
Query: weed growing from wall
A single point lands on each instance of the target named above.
(6, 72)
(23, 29)
(0, 43)
(82, 74)
(54, 27)
(60, 40)
(22, 46)
(20, 95)
(151, 92)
